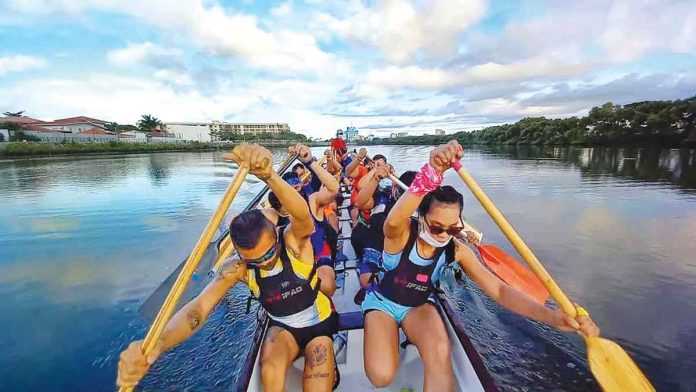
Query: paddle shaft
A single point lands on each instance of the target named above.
(516, 241)
(169, 305)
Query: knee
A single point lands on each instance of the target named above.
(381, 376)
(272, 375)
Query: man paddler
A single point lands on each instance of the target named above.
(278, 266)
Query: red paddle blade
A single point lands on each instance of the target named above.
(513, 273)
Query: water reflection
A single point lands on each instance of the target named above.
(676, 166)
(83, 240)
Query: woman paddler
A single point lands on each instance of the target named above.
(415, 252)
(278, 266)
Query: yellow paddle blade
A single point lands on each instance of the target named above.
(614, 370)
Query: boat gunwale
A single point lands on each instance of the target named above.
(244, 378)
(484, 376)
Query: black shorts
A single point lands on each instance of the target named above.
(305, 335)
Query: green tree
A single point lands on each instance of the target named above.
(149, 124)
(112, 127)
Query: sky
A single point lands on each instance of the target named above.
(382, 66)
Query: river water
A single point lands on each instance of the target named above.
(84, 240)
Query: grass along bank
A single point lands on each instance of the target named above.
(48, 149)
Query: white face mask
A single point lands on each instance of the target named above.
(425, 235)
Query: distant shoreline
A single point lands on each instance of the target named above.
(30, 150)
(40, 150)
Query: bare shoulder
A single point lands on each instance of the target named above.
(232, 269)
(270, 214)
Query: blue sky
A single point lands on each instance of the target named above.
(383, 66)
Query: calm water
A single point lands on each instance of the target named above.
(84, 240)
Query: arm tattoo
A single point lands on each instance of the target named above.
(319, 356)
(194, 319)
(228, 268)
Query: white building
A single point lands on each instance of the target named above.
(439, 132)
(199, 132)
(249, 128)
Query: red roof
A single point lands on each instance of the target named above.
(77, 120)
(95, 131)
(19, 120)
(34, 127)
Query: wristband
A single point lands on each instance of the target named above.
(307, 164)
(426, 181)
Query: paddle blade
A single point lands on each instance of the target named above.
(612, 367)
(513, 273)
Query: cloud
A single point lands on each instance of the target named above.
(394, 77)
(210, 27)
(401, 29)
(19, 63)
(144, 53)
(615, 31)
(626, 89)
(117, 98)
(282, 11)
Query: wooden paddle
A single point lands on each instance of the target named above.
(169, 305)
(609, 363)
(150, 307)
(513, 273)
(505, 267)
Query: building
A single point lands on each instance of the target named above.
(198, 132)
(439, 132)
(72, 124)
(402, 134)
(249, 128)
(351, 134)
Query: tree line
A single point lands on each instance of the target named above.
(668, 123)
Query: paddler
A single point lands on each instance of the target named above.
(415, 252)
(324, 238)
(278, 266)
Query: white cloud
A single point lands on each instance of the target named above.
(19, 63)
(145, 53)
(180, 79)
(209, 26)
(282, 11)
(394, 77)
(401, 29)
(615, 31)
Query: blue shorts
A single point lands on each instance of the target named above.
(375, 301)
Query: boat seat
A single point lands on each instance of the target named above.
(350, 320)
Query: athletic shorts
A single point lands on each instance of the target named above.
(305, 335)
(376, 301)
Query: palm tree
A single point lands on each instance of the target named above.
(149, 124)
(14, 114)
(112, 127)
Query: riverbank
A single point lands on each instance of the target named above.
(11, 150)
(30, 149)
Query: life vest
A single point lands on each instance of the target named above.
(324, 239)
(285, 293)
(410, 284)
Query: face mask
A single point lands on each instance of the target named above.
(425, 235)
(385, 184)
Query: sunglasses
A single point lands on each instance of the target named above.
(437, 230)
(294, 181)
(270, 254)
